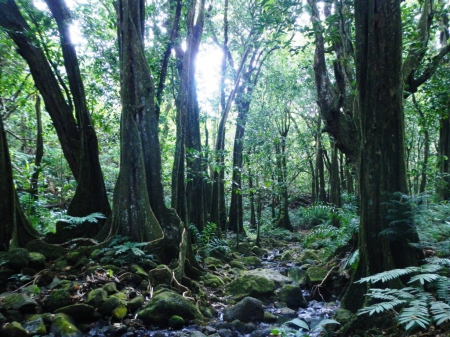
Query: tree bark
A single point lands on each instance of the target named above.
(382, 159)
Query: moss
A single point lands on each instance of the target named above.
(176, 322)
(251, 261)
(135, 303)
(250, 285)
(110, 288)
(119, 312)
(237, 264)
(37, 261)
(35, 325)
(17, 258)
(139, 271)
(62, 325)
(96, 297)
(14, 329)
(316, 274)
(20, 302)
(57, 299)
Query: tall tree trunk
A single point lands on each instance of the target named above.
(443, 184)
(335, 184)
(39, 151)
(382, 159)
(321, 195)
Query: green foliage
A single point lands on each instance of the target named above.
(207, 243)
(417, 306)
(74, 221)
(127, 251)
(301, 326)
(316, 215)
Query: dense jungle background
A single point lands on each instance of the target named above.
(224, 168)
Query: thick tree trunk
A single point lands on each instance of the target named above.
(39, 151)
(382, 159)
(443, 183)
(15, 229)
(335, 184)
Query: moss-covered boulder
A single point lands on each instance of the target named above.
(315, 275)
(35, 325)
(292, 296)
(166, 304)
(271, 275)
(252, 261)
(237, 264)
(161, 275)
(73, 257)
(248, 310)
(138, 270)
(111, 304)
(244, 248)
(297, 275)
(96, 297)
(259, 251)
(212, 281)
(62, 325)
(176, 322)
(287, 256)
(14, 329)
(308, 256)
(81, 313)
(20, 302)
(250, 285)
(110, 288)
(57, 299)
(17, 258)
(37, 261)
(135, 303)
(212, 261)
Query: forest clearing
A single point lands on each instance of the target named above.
(224, 168)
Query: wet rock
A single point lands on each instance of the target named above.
(79, 312)
(209, 330)
(57, 299)
(307, 257)
(251, 261)
(292, 296)
(227, 333)
(244, 249)
(248, 310)
(14, 329)
(262, 333)
(37, 261)
(212, 261)
(250, 285)
(135, 303)
(20, 302)
(17, 258)
(288, 313)
(96, 297)
(237, 264)
(315, 275)
(44, 278)
(287, 256)
(110, 288)
(166, 304)
(161, 275)
(197, 334)
(269, 318)
(63, 325)
(297, 275)
(110, 305)
(176, 322)
(271, 275)
(35, 325)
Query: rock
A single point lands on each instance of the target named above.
(161, 275)
(266, 332)
(139, 271)
(197, 334)
(110, 288)
(315, 275)
(73, 257)
(37, 261)
(292, 296)
(79, 312)
(119, 312)
(135, 303)
(287, 312)
(250, 285)
(17, 258)
(307, 257)
(62, 325)
(21, 302)
(14, 329)
(343, 316)
(248, 310)
(176, 322)
(166, 304)
(96, 297)
(110, 305)
(244, 249)
(212, 261)
(297, 275)
(213, 281)
(237, 264)
(35, 325)
(57, 299)
(269, 318)
(259, 251)
(251, 261)
(271, 275)
(287, 256)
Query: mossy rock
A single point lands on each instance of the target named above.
(37, 261)
(250, 285)
(248, 310)
(63, 325)
(297, 275)
(110, 304)
(212, 281)
(35, 325)
(237, 264)
(61, 264)
(96, 297)
(269, 318)
(73, 257)
(14, 329)
(244, 248)
(315, 275)
(176, 322)
(135, 303)
(259, 251)
(110, 288)
(21, 302)
(166, 304)
(79, 312)
(17, 258)
(271, 275)
(307, 256)
(57, 299)
(251, 261)
(139, 271)
(212, 261)
(119, 312)
(51, 252)
(287, 256)
(292, 296)
(161, 275)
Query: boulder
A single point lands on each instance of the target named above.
(161, 275)
(35, 325)
(271, 275)
(244, 249)
(57, 299)
(17, 258)
(166, 304)
(250, 285)
(79, 312)
(20, 302)
(292, 296)
(135, 303)
(248, 310)
(62, 325)
(14, 329)
(176, 322)
(37, 261)
(251, 261)
(96, 297)
(297, 275)
(315, 275)
(237, 264)
(110, 288)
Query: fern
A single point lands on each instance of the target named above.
(440, 311)
(74, 221)
(388, 275)
(415, 314)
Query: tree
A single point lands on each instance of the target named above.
(382, 160)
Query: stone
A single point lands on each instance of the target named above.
(315, 275)
(343, 316)
(79, 312)
(271, 275)
(212, 281)
(197, 333)
(251, 261)
(250, 285)
(110, 288)
(110, 304)
(176, 322)
(57, 299)
(21, 302)
(73, 257)
(287, 312)
(259, 251)
(269, 318)
(37, 261)
(287, 256)
(227, 333)
(292, 296)
(161, 275)
(138, 270)
(96, 297)
(308, 256)
(297, 275)
(62, 325)
(248, 310)
(35, 325)
(237, 264)
(244, 249)
(119, 312)
(166, 304)
(14, 329)
(212, 261)
(17, 258)
(135, 303)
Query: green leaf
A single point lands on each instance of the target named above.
(298, 322)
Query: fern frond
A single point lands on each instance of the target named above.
(389, 275)
(381, 307)
(75, 220)
(422, 278)
(438, 261)
(415, 314)
(440, 311)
